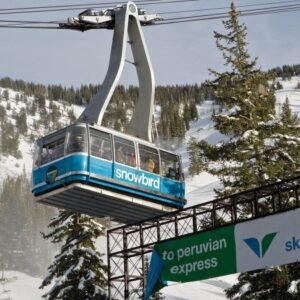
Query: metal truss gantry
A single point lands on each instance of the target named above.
(129, 246)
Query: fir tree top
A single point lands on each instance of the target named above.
(78, 271)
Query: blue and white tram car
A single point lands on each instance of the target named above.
(101, 172)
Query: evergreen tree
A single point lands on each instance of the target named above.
(249, 119)
(2, 114)
(5, 95)
(271, 284)
(21, 121)
(194, 112)
(78, 271)
(286, 150)
(71, 116)
(10, 139)
(279, 86)
(21, 221)
(195, 163)
(17, 98)
(33, 109)
(260, 147)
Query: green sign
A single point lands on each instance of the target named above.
(252, 245)
(198, 256)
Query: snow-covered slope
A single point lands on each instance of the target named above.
(198, 189)
(200, 290)
(19, 286)
(291, 92)
(10, 165)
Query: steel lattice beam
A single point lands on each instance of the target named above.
(129, 245)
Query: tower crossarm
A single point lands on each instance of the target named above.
(105, 19)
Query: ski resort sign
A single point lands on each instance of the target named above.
(251, 245)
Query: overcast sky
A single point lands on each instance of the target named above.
(180, 53)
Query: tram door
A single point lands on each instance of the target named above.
(76, 156)
(101, 157)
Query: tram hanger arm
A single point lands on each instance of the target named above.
(126, 21)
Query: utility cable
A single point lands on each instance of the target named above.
(30, 22)
(226, 15)
(29, 27)
(71, 5)
(264, 10)
(226, 7)
(191, 18)
(50, 9)
(179, 11)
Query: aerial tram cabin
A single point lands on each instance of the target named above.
(104, 173)
(91, 169)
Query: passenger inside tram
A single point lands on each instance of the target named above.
(44, 156)
(120, 155)
(131, 161)
(151, 164)
(76, 144)
(105, 150)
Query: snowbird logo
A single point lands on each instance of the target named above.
(260, 249)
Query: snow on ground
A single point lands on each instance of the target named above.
(19, 286)
(10, 166)
(291, 92)
(293, 97)
(289, 84)
(200, 188)
(200, 290)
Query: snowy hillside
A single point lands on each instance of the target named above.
(198, 188)
(13, 107)
(19, 286)
(291, 92)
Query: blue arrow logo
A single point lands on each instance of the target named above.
(260, 249)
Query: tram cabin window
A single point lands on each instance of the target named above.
(52, 148)
(170, 165)
(125, 152)
(100, 144)
(77, 139)
(149, 159)
(37, 154)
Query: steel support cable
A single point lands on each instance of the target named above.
(187, 20)
(72, 5)
(224, 16)
(180, 18)
(75, 6)
(226, 7)
(251, 12)
(22, 10)
(214, 16)
(30, 22)
(25, 10)
(145, 2)
(29, 27)
(270, 12)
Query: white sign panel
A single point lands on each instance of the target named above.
(270, 241)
